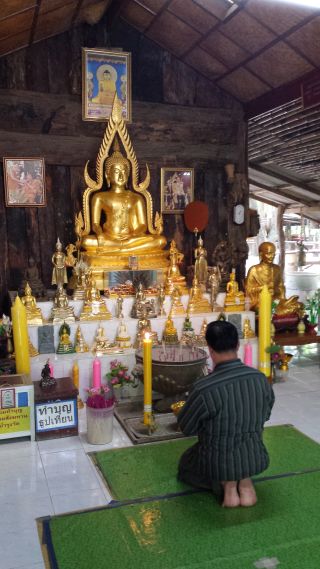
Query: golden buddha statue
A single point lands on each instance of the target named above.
(161, 300)
(94, 307)
(65, 345)
(170, 335)
(234, 301)
(200, 340)
(201, 265)
(59, 272)
(144, 325)
(268, 273)
(177, 307)
(198, 302)
(101, 344)
(61, 311)
(34, 314)
(247, 330)
(123, 339)
(174, 277)
(118, 221)
(80, 345)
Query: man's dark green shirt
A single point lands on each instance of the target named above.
(227, 410)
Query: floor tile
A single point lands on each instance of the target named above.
(73, 501)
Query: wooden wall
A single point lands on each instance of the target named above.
(179, 119)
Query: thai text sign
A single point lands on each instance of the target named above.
(14, 420)
(56, 415)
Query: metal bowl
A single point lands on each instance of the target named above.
(175, 369)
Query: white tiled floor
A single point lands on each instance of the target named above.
(56, 476)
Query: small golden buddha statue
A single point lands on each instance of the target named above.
(123, 339)
(161, 300)
(201, 265)
(94, 307)
(170, 335)
(198, 302)
(101, 344)
(81, 280)
(174, 277)
(247, 330)
(118, 220)
(59, 273)
(65, 345)
(213, 287)
(80, 345)
(188, 335)
(141, 302)
(177, 307)
(144, 325)
(34, 314)
(234, 301)
(61, 311)
(201, 337)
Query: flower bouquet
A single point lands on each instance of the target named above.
(279, 362)
(118, 376)
(100, 397)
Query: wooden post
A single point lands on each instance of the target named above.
(281, 210)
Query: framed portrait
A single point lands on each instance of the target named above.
(24, 182)
(105, 73)
(177, 189)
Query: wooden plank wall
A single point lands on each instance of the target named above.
(40, 111)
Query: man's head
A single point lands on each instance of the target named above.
(267, 252)
(222, 339)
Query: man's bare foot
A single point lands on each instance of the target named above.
(248, 496)
(231, 497)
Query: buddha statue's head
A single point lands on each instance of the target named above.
(267, 252)
(27, 290)
(117, 169)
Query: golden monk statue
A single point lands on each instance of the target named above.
(234, 300)
(174, 277)
(34, 314)
(268, 273)
(198, 302)
(118, 219)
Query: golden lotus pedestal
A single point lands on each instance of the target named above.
(102, 264)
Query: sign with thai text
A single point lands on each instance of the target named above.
(14, 420)
(56, 415)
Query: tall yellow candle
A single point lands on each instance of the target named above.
(20, 336)
(264, 330)
(147, 379)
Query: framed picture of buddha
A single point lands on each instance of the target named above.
(177, 189)
(104, 74)
(24, 182)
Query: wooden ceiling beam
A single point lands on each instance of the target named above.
(284, 178)
(284, 194)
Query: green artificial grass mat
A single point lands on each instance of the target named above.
(151, 470)
(194, 532)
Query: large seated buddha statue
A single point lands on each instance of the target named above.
(118, 210)
(268, 273)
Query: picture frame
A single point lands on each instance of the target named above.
(105, 73)
(24, 182)
(177, 189)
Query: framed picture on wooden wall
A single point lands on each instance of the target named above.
(24, 182)
(177, 189)
(105, 73)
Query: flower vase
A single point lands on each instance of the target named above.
(99, 425)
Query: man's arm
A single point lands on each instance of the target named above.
(192, 414)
